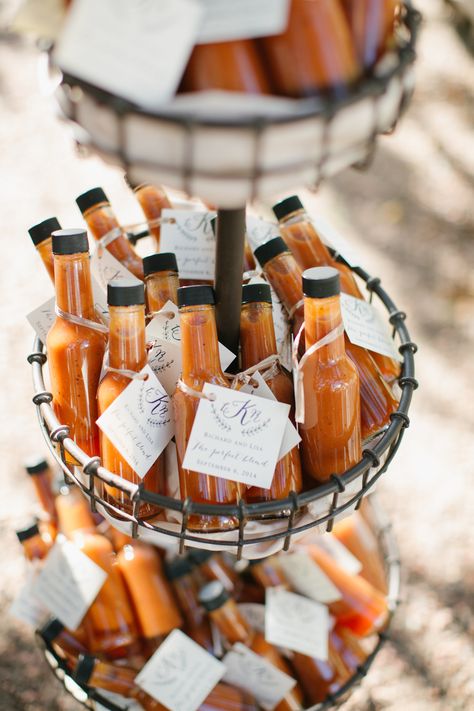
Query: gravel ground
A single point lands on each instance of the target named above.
(410, 216)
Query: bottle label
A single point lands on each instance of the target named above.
(181, 674)
(259, 677)
(68, 583)
(227, 20)
(105, 268)
(365, 327)
(236, 436)
(338, 552)
(25, 607)
(139, 422)
(294, 622)
(42, 318)
(254, 615)
(189, 234)
(307, 578)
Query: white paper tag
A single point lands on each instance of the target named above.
(25, 607)
(139, 422)
(118, 700)
(307, 578)
(333, 238)
(236, 436)
(181, 674)
(256, 675)
(296, 623)
(227, 20)
(366, 328)
(68, 583)
(191, 237)
(339, 553)
(42, 318)
(260, 231)
(105, 268)
(137, 49)
(291, 437)
(254, 615)
(100, 300)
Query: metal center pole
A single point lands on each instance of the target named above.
(230, 244)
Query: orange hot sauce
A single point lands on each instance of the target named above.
(257, 339)
(127, 351)
(75, 353)
(227, 66)
(40, 473)
(372, 24)
(201, 364)
(213, 566)
(101, 220)
(34, 546)
(355, 534)
(43, 241)
(314, 54)
(153, 200)
(161, 281)
(331, 437)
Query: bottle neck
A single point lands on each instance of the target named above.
(321, 317)
(231, 624)
(257, 333)
(200, 348)
(72, 279)
(298, 229)
(160, 288)
(285, 276)
(127, 337)
(45, 250)
(120, 680)
(101, 219)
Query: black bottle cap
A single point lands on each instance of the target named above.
(199, 556)
(84, 668)
(195, 295)
(252, 293)
(212, 596)
(177, 567)
(321, 282)
(25, 533)
(161, 262)
(70, 241)
(125, 292)
(43, 230)
(287, 206)
(270, 249)
(91, 198)
(36, 465)
(51, 630)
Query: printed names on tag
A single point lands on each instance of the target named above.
(365, 327)
(139, 423)
(296, 623)
(68, 583)
(307, 578)
(236, 436)
(229, 20)
(181, 674)
(105, 268)
(256, 675)
(42, 318)
(189, 234)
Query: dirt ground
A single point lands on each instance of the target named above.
(411, 218)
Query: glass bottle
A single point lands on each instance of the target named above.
(127, 351)
(153, 200)
(201, 364)
(70, 644)
(258, 342)
(227, 617)
(372, 24)
(43, 241)
(226, 66)
(161, 281)
(355, 534)
(150, 593)
(75, 353)
(101, 220)
(314, 54)
(330, 433)
(34, 546)
(40, 473)
(213, 566)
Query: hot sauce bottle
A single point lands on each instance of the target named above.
(43, 241)
(34, 546)
(227, 66)
(201, 364)
(101, 220)
(258, 342)
(127, 352)
(153, 200)
(213, 566)
(69, 644)
(331, 438)
(150, 593)
(224, 612)
(314, 54)
(75, 352)
(372, 23)
(40, 473)
(355, 534)
(161, 281)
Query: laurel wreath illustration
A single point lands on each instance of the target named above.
(252, 431)
(222, 424)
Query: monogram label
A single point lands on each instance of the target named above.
(189, 234)
(365, 327)
(307, 578)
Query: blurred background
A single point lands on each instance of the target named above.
(411, 218)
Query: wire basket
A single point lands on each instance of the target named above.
(234, 156)
(254, 537)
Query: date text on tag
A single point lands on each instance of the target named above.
(236, 436)
(296, 623)
(139, 423)
(256, 675)
(365, 327)
(189, 234)
(105, 268)
(307, 578)
(181, 674)
(227, 20)
(68, 583)
(42, 318)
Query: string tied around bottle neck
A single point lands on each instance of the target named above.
(295, 308)
(267, 365)
(81, 321)
(298, 366)
(187, 390)
(131, 374)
